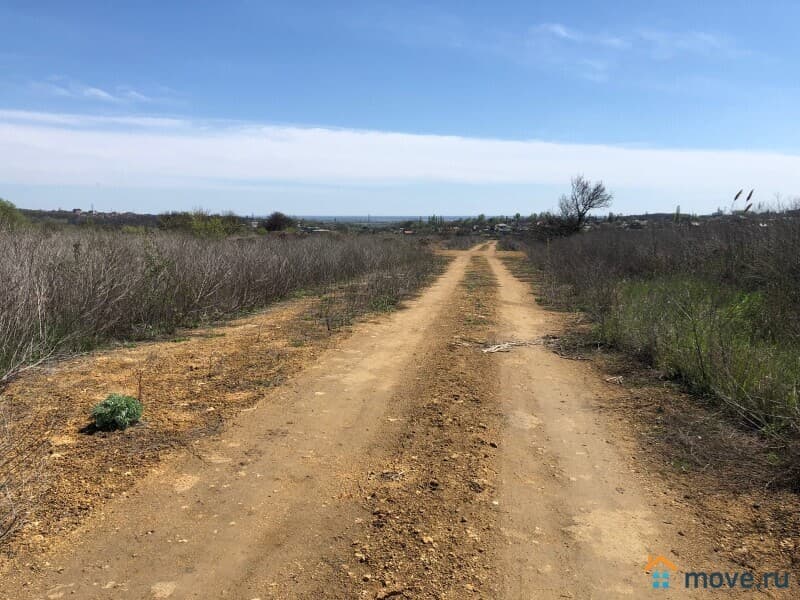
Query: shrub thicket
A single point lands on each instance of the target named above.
(717, 306)
(68, 291)
(463, 242)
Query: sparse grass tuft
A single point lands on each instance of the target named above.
(478, 281)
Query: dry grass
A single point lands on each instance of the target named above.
(69, 291)
(462, 242)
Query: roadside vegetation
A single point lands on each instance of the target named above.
(715, 306)
(462, 242)
(69, 291)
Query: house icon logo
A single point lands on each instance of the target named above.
(660, 569)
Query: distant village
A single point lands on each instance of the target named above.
(481, 225)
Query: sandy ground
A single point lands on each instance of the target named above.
(403, 462)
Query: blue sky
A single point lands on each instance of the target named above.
(396, 107)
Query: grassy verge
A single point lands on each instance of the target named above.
(714, 339)
(340, 304)
(715, 310)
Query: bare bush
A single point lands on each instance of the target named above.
(463, 242)
(68, 291)
(716, 306)
(511, 244)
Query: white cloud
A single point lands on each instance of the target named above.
(40, 148)
(660, 44)
(573, 35)
(66, 88)
(31, 117)
(669, 44)
(51, 89)
(98, 94)
(557, 30)
(597, 55)
(134, 96)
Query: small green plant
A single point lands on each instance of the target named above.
(116, 412)
(384, 303)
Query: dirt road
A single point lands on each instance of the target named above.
(578, 524)
(405, 462)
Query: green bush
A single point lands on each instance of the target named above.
(716, 305)
(714, 338)
(10, 216)
(116, 412)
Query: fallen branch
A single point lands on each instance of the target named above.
(507, 346)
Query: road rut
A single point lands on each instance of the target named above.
(578, 523)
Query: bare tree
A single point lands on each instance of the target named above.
(585, 196)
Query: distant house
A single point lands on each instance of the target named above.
(502, 228)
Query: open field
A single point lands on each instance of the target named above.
(392, 458)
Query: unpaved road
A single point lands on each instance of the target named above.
(404, 463)
(577, 524)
